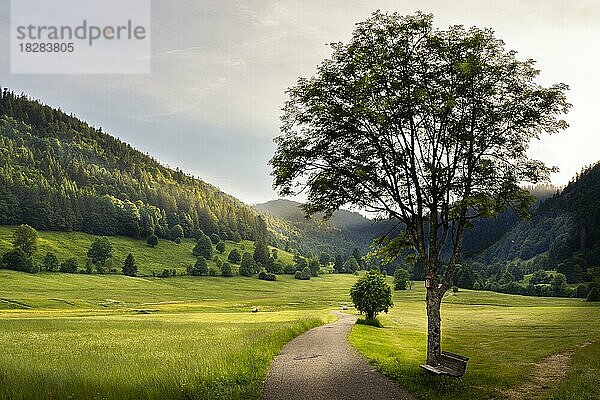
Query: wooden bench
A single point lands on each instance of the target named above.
(449, 364)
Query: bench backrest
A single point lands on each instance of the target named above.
(453, 362)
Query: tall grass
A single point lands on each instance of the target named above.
(68, 336)
(210, 356)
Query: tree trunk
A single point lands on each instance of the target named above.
(434, 323)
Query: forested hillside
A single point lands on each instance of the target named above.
(563, 234)
(343, 232)
(59, 173)
(485, 232)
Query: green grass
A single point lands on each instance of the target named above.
(70, 336)
(75, 336)
(583, 376)
(502, 334)
(167, 254)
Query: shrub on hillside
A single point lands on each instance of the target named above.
(247, 266)
(177, 233)
(203, 247)
(220, 247)
(50, 262)
(129, 266)
(17, 260)
(70, 265)
(303, 275)
(274, 266)
(214, 238)
(289, 269)
(226, 270)
(199, 268)
(236, 237)
(152, 240)
(100, 251)
(266, 276)
(234, 256)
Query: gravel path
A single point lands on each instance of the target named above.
(320, 364)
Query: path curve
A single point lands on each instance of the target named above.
(321, 365)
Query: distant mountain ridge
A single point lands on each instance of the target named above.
(343, 232)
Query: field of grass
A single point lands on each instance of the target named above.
(74, 336)
(70, 336)
(167, 254)
(502, 334)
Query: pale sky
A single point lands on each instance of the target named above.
(212, 103)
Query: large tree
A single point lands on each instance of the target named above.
(425, 126)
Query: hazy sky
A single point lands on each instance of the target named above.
(211, 105)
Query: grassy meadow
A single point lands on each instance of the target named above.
(167, 254)
(77, 336)
(504, 336)
(70, 336)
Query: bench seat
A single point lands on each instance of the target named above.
(450, 364)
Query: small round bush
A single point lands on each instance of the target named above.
(401, 279)
(50, 262)
(266, 276)
(70, 266)
(152, 240)
(214, 238)
(226, 269)
(199, 268)
(234, 256)
(371, 294)
(17, 260)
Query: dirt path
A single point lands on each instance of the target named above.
(545, 374)
(320, 364)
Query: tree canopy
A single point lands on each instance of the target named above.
(100, 250)
(371, 294)
(25, 239)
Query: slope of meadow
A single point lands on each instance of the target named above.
(167, 254)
